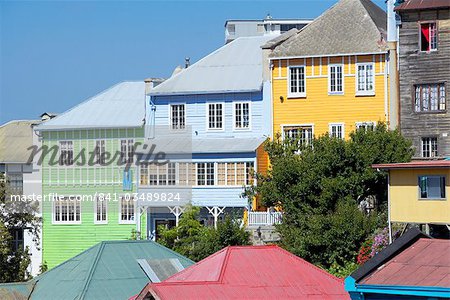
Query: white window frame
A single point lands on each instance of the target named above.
(98, 158)
(207, 116)
(364, 124)
(127, 150)
(429, 32)
(60, 222)
(171, 105)
(297, 125)
(68, 149)
(329, 79)
(249, 116)
(429, 138)
(132, 199)
(330, 131)
(96, 202)
(365, 92)
(296, 94)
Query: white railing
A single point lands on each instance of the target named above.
(256, 218)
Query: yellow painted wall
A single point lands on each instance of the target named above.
(404, 198)
(262, 166)
(318, 107)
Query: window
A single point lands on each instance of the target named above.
(235, 174)
(126, 151)
(100, 150)
(365, 79)
(15, 182)
(303, 133)
(428, 37)
(337, 131)
(126, 210)
(101, 216)
(66, 211)
(215, 116)
(17, 239)
(152, 174)
(432, 187)
(365, 125)
(66, 153)
(242, 115)
(296, 82)
(429, 147)
(249, 170)
(144, 174)
(429, 97)
(177, 116)
(205, 174)
(335, 79)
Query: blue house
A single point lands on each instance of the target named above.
(211, 118)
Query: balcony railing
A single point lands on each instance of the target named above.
(256, 218)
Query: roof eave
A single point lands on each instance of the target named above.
(88, 127)
(327, 55)
(252, 90)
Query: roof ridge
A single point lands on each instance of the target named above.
(92, 270)
(224, 263)
(310, 264)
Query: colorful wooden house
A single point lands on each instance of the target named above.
(218, 113)
(418, 193)
(332, 76)
(414, 267)
(86, 198)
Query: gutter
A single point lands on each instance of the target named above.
(327, 55)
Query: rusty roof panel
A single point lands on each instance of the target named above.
(422, 5)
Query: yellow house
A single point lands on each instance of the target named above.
(419, 192)
(331, 76)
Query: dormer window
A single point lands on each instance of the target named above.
(428, 37)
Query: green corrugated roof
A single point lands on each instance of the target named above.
(108, 270)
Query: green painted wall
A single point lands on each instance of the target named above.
(63, 241)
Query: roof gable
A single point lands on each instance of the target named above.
(15, 138)
(235, 67)
(350, 26)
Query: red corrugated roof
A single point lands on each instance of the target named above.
(243, 272)
(422, 4)
(424, 263)
(419, 164)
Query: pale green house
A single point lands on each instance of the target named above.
(77, 175)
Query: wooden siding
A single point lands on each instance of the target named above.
(421, 67)
(63, 241)
(405, 204)
(319, 108)
(196, 113)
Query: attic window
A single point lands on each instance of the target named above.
(428, 37)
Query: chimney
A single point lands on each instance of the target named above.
(148, 85)
(187, 62)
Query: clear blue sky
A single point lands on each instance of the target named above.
(55, 54)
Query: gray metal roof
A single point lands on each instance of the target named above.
(122, 105)
(185, 145)
(15, 138)
(350, 26)
(235, 67)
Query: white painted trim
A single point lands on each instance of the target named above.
(364, 93)
(330, 55)
(295, 95)
(105, 201)
(342, 124)
(54, 222)
(207, 117)
(296, 125)
(329, 79)
(170, 115)
(249, 128)
(124, 222)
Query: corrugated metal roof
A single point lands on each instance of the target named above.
(15, 138)
(15, 290)
(250, 272)
(185, 145)
(108, 270)
(122, 105)
(420, 164)
(424, 263)
(422, 5)
(235, 67)
(350, 26)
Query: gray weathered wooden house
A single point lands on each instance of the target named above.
(424, 58)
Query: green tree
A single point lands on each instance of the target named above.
(196, 241)
(15, 215)
(319, 188)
